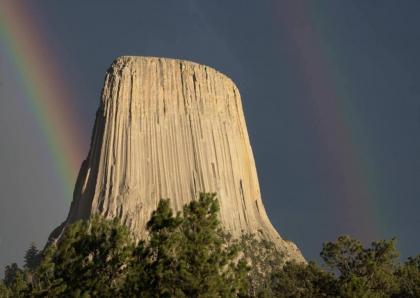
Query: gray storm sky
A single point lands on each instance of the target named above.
(330, 91)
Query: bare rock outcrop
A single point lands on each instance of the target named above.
(169, 128)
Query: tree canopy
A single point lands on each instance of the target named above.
(189, 255)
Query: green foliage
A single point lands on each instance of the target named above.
(408, 277)
(185, 256)
(10, 274)
(208, 268)
(302, 280)
(4, 291)
(88, 261)
(32, 258)
(153, 272)
(188, 255)
(354, 271)
(363, 272)
(16, 281)
(264, 259)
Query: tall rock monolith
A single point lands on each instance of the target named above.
(170, 128)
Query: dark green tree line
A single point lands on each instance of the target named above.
(188, 255)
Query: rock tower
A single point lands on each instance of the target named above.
(170, 128)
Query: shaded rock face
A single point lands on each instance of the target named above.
(168, 128)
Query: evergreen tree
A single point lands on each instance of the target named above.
(16, 282)
(408, 277)
(158, 261)
(32, 258)
(189, 255)
(4, 291)
(302, 280)
(186, 255)
(208, 267)
(89, 260)
(363, 272)
(10, 274)
(264, 260)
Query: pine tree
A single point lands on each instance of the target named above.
(302, 280)
(4, 291)
(162, 253)
(32, 258)
(408, 276)
(264, 260)
(10, 274)
(208, 267)
(89, 260)
(363, 272)
(15, 280)
(187, 255)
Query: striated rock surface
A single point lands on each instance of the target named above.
(168, 128)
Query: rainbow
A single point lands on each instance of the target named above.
(336, 123)
(44, 89)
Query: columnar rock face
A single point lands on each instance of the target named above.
(168, 128)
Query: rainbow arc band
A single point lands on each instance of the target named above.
(43, 87)
(343, 142)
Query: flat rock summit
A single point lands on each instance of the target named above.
(168, 128)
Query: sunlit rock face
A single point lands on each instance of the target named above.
(169, 128)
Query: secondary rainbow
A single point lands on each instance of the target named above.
(43, 87)
(336, 123)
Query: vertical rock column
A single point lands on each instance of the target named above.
(169, 128)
